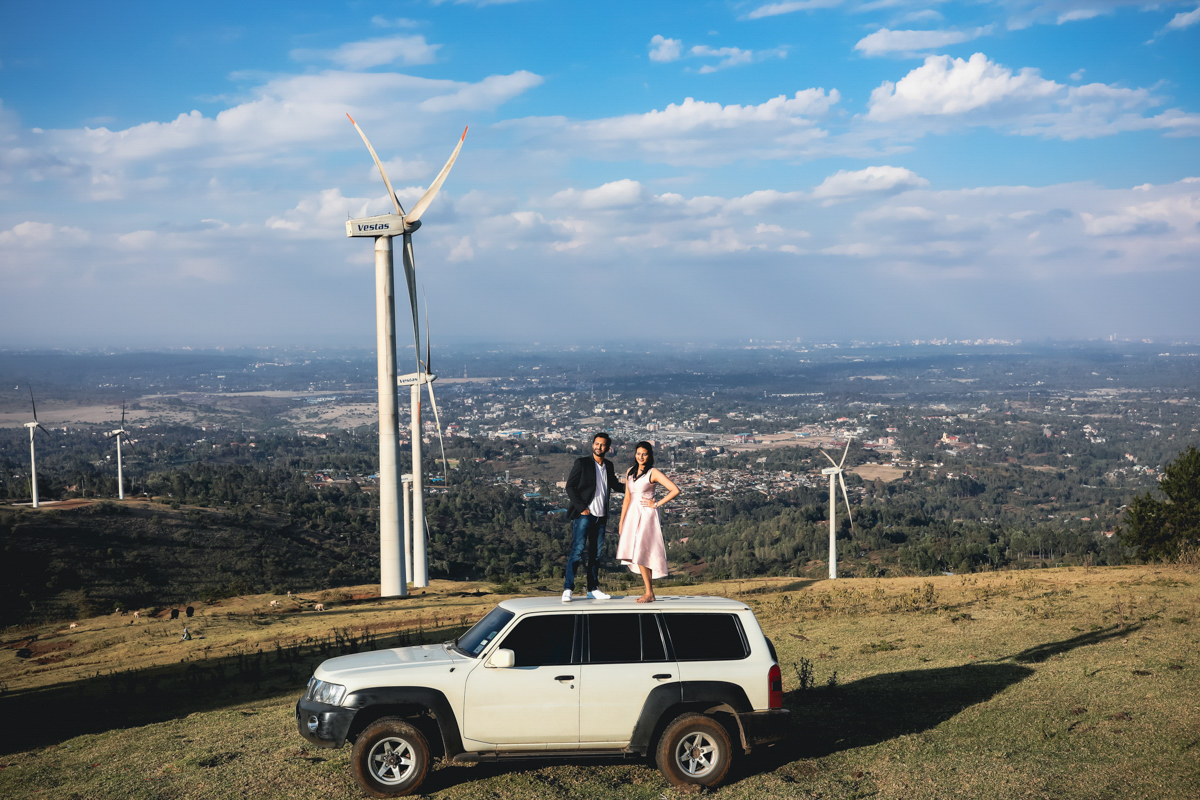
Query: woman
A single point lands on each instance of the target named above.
(641, 544)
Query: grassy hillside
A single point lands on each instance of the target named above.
(1066, 683)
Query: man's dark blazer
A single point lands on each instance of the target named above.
(581, 486)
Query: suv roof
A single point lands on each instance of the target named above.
(524, 605)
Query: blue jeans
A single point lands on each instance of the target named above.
(587, 532)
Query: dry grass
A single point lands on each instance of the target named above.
(1051, 683)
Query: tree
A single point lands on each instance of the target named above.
(1160, 528)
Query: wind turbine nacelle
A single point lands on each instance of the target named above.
(415, 378)
(382, 225)
(830, 471)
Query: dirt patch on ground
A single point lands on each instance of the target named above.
(878, 472)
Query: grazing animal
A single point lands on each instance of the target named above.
(319, 607)
(174, 613)
(74, 624)
(137, 615)
(274, 603)
(189, 611)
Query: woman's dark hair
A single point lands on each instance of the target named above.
(649, 461)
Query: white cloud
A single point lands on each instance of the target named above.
(376, 52)
(137, 240)
(1182, 20)
(885, 41)
(1079, 14)
(664, 50)
(775, 9)
(733, 56)
(380, 21)
(281, 124)
(946, 86)
(694, 131)
(846, 185)
(945, 91)
(624, 192)
(492, 91)
(42, 234)
(462, 251)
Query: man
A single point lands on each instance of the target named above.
(591, 482)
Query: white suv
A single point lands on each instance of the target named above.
(686, 679)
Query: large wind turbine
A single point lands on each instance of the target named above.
(33, 428)
(382, 228)
(835, 472)
(119, 434)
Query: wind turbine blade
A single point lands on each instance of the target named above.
(846, 495)
(428, 346)
(410, 277)
(378, 163)
(43, 430)
(122, 414)
(427, 198)
(831, 461)
(32, 403)
(846, 452)
(438, 423)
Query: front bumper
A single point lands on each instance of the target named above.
(322, 724)
(764, 727)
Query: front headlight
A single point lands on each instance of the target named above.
(324, 692)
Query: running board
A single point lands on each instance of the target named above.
(525, 755)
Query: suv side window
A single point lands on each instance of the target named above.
(624, 639)
(542, 641)
(706, 637)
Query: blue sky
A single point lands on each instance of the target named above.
(824, 169)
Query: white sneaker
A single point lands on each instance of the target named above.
(567, 594)
(596, 594)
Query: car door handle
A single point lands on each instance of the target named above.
(564, 678)
(662, 676)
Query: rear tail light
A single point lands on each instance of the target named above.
(775, 687)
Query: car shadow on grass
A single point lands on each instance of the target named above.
(878, 708)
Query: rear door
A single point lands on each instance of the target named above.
(625, 659)
(713, 647)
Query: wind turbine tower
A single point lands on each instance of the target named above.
(382, 228)
(835, 473)
(33, 428)
(119, 434)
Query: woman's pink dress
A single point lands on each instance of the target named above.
(641, 535)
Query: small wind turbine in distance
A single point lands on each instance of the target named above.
(416, 536)
(119, 434)
(382, 228)
(835, 472)
(33, 427)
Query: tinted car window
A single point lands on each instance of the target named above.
(652, 643)
(705, 637)
(614, 638)
(541, 641)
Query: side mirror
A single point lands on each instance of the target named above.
(503, 659)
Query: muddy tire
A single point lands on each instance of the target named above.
(390, 758)
(695, 750)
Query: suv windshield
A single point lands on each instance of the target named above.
(473, 641)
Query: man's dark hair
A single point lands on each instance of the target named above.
(602, 435)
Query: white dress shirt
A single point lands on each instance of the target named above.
(596, 509)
